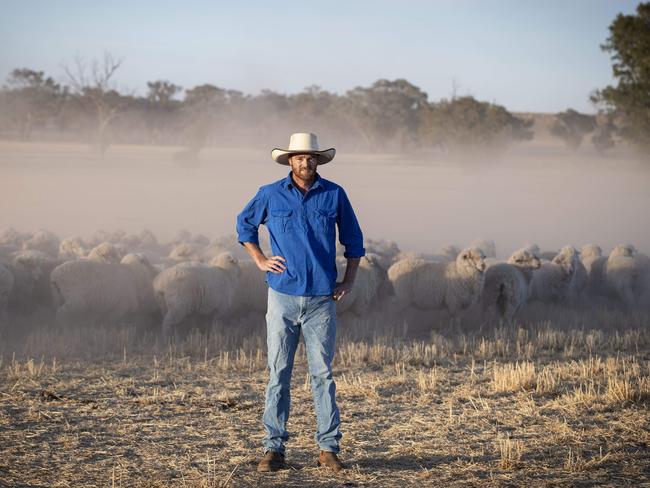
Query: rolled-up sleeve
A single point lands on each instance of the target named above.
(350, 235)
(249, 220)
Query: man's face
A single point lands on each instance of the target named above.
(303, 166)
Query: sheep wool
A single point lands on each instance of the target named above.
(94, 290)
(552, 280)
(507, 285)
(202, 289)
(426, 285)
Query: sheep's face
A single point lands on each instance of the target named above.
(525, 259)
(591, 251)
(183, 252)
(567, 258)
(471, 258)
(225, 260)
(627, 250)
(106, 252)
(73, 247)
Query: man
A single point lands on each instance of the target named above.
(301, 212)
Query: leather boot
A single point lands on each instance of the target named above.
(272, 461)
(330, 460)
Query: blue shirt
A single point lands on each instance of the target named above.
(303, 231)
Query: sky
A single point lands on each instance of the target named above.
(529, 56)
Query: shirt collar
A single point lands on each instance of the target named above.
(288, 182)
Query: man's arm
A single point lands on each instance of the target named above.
(248, 222)
(345, 286)
(351, 237)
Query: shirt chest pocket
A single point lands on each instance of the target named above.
(281, 219)
(326, 220)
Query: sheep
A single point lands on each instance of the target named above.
(625, 273)
(578, 283)
(6, 286)
(72, 248)
(145, 239)
(101, 236)
(12, 237)
(370, 285)
(488, 247)
(252, 289)
(31, 288)
(449, 252)
(383, 252)
(183, 252)
(591, 256)
(552, 280)
(230, 244)
(44, 241)
(431, 286)
(103, 291)
(507, 285)
(105, 252)
(200, 289)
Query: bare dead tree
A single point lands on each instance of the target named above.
(92, 85)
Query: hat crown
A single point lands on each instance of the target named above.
(303, 141)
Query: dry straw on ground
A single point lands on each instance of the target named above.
(539, 404)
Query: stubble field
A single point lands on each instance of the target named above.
(536, 405)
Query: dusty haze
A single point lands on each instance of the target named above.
(539, 192)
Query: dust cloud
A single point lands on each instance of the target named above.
(539, 192)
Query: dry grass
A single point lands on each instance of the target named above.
(541, 404)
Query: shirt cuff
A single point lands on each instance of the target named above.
(354, 252)
(249, 237)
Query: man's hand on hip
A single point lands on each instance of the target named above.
(274, 264)
(341, 290)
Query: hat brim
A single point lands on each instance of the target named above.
(281, 156)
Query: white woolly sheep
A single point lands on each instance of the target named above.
(370, 285)
(183, 252)
(103, 291)
(488, 247)
(383, 252)
(207, 290)
(106, 253)
(626, 273)
(44, 241)
(552, 280)
(425, 285)
(72, 248)
(507, 285)
(13, 237)
(31, 288)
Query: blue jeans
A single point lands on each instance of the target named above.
(286, 316)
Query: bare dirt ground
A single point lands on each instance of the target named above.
(535, 405)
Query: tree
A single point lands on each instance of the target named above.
(629, 43)
(603, 136)
(386, 111)
(571, 126)
(93, 88)
(467, 124)
(161, 107)
(34, 99)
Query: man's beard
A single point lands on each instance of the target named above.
(306, 173)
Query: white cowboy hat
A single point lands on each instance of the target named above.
(303, 143)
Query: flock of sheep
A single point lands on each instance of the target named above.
(115, 276)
